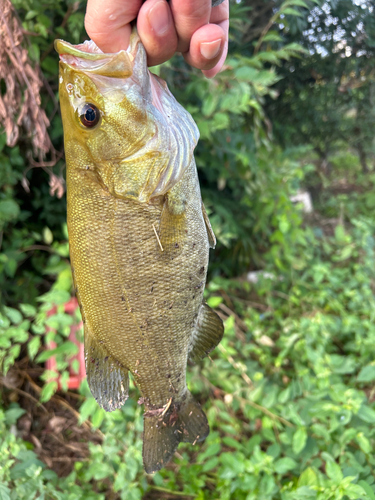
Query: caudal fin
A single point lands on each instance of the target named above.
(163, 431)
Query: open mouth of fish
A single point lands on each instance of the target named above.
(124, 64)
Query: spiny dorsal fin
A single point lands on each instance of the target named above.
(107, 379)
(207, 334)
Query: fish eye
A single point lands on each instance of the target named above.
(89, 115)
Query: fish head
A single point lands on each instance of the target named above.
(122, 120)
(102, 105)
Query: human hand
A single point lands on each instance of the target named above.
(192, 27)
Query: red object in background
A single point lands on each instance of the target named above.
(75, 378)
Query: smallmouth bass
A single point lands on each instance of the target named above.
(139, 239)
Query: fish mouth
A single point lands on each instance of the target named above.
(89, 58)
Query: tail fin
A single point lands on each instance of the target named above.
(192, 421)
(164, 431)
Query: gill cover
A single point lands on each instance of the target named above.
(155, 144)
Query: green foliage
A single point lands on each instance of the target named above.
(289, 393)
(325, 98)
(24, 476)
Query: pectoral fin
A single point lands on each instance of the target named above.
(107, 379)
(207, 334)
(173, 224)
(210, 233)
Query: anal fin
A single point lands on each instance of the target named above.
(107, 379)
(210, 232)
(207, 334)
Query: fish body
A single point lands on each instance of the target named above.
(139, 239)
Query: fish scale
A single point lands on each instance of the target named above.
(139, 240)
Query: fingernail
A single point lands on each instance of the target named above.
(210, 50)
(158, 18)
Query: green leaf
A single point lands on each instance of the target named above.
(284, 224)
(4, 322)
(48, 391)
(354, 491)
(214, 301)
(47, 236)
(33, 347)
(367, 374)
(369, 491)
(87, 409)
(67, 349)
(12, 415)
(27, 310)
(299, 440)
(229, 441)
(284, 465)
(308, 478)
(363, 442)
(13, 314)
(98, 417)
(291, 12)
(38, 328)
(334, 472)
(9, 210)
(17, 334)
(10, 267)
(55, 297)
(5, 342)
(59, 320)
(4, 492)
(3, 140)
(210, 104)
(210, 464)
(31, 14)
(27, 465)
(34, 52)
(340, 234)
(44, 20)
(366, 414)
(272, 36)
(213, 449)
(246, 73)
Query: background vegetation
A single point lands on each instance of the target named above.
(289, 393)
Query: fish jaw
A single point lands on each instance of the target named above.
(145, 140)
(89, 58)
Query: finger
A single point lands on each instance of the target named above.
(220, 16)
(189, 16)
(210, 73)
(206, 47)
(215, 70)
(156, 30)
(107, 23)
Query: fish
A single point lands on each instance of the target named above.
(139, 239)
